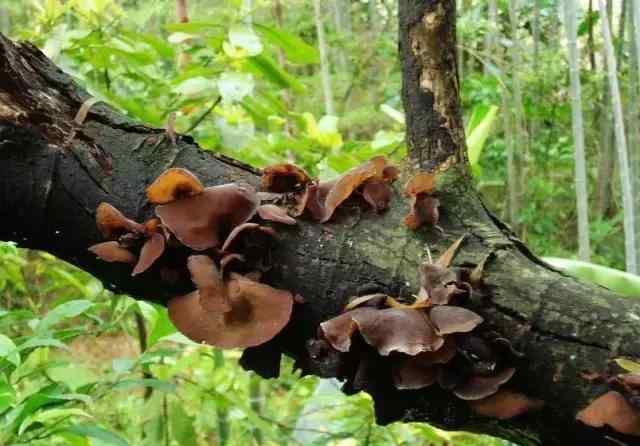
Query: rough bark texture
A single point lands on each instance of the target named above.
(53, 174)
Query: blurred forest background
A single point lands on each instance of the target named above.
(550, 94)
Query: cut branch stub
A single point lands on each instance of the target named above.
(201, 221)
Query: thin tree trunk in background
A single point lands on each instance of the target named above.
(606, 158)
(590, 40)
(491, 37)
(324, 60)
(582, 195)
(183, 17)
(460, 52)
(539, 77)
(520, 139)
(341, 29)
(621, 145)
(634, 113)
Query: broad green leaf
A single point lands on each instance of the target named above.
(244, 37)
(628, 365)
(234, 86)
(478, 135)
(162, 326)
(74, 375)
(103, 435)
(42, 342)
(50, 415)
(156, 384)
(7, 395)
(67, 310)
(196, 87)
(616, 280)
(182, 424)
(193, 27)
(297, 50)
(267, 67)
(9, 351)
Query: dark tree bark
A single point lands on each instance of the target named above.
(54, 172)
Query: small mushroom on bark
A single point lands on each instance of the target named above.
(423, 207)
(421, 370)
(448, 319)
(284, 178)
(211, 289)
(505, 404)
(174, 184)
(613, 410)
(113, 252)
(377, 194)
(243, 229)
(349, 182)
(398, 330)
(478, 387)
(112, 223)
(258, 312)
(150, 252)
(339, 330)
(271, 212)
(202, 221)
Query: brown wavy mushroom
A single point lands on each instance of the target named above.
(611, 409)
(202, 221)
(258, 312)
(479, 387)
(505, 404)
(423, 207)
(211, 289)
(271, 212)
(398, 330)
(282, 178)
(347, 183)
(419, 371)
(174, 184)
(448, 319)
(151, 251)
(112, 223)
(377, 194)
(242, 229)
(339, 330)
(113, 252)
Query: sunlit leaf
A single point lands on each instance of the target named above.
(234, 86)
(295, 49)
(628, 365)
(242, 36)
(92, 431)
(64, 311)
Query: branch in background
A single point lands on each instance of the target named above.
(582, 195)
(324, 60)
(621, 144)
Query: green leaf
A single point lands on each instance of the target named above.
(42, 342)
(50, 415)
(628, 365)
(9, 351)
(161, 327)
(619, 281)
(74, 376)
(271, 71)
(242, 36)
(477, 137)
(67, 310)
(234, 86)
(93, 431)
(7, 395)
(156, 384)
(182, 424)
(193, 27)
(297, 50)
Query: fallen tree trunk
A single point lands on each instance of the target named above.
(54, 172)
